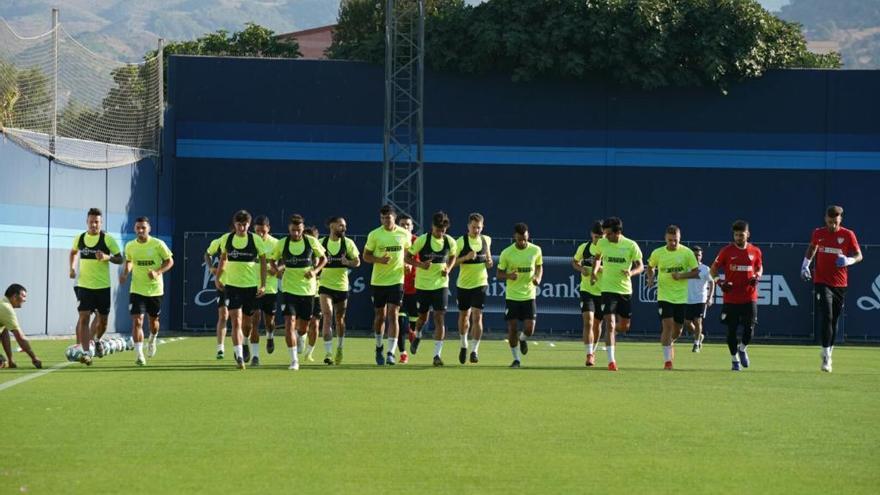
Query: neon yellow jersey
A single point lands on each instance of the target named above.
(473, 274)
(392, 243)
(94, 274)
(297, 262)
(146, 256)
(8, 320)
(523, 262)
(214, 250)
(616, 257)
(668, 262)
(271, 280)
(438, 254)
(587, 261)
(243, 260)
(334, 276)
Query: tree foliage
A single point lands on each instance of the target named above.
(645, 43)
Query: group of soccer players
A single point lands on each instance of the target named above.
(412, 273)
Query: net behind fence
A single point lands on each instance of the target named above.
(61, 100)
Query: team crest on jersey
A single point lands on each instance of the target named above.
(751, 257)
(840, 240)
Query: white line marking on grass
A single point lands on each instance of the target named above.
(31, 376)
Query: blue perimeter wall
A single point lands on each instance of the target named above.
(284, 136)
(44, 207)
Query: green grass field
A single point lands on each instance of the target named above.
(187, 423)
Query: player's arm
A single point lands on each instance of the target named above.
(808, 258)
(263, 273)
(710, 292)
(370, 258)
(539, 274)
(649, 275)
(166, 265)
(843, 261)
(695, 273)
(501, 272)
(319, 265)
(126, 269)
(116, 259)
(354, 261)
(25, 345)
(221, 267)
(71, 260)
(637, 268)
(209, 262)
(597, 266)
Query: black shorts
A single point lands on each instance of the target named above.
(591, 303)
(243, 298)
(300, 306)
(410, 307)
(93, 300)
(138, 305)
(471, 298)
(316, 309)
(267, 303)
(336, 296)
(740, 314)
(436, 299)
(387, 294)
(616, 304)
(520, 310)
(695, 311)
(221, 299)
(667, 309)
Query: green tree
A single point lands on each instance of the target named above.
(645, 43)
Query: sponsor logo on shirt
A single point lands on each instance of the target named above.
(830, 250)
(392, 248)
(236, 254)
(524, 269)
(614, 259)
(868, 303)
(145, 262)
(740, 268)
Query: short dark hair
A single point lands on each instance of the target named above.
(296, 219)
(142, 219)
(262, 220)
(834, 211)
(440, 220)
(332, 220)
(14, 290)
(673, 229)
(241, 216)
(614, 224)
(402, 217)
(387, 210)
(740, 226)
(596, 228)
(697, 249)
(475, 217)
(311, 230)
(520, 228)
(94, 211)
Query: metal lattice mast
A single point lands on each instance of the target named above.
(403, 147)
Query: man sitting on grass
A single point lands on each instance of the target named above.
(15, 296)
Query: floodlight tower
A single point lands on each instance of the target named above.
(404, 143)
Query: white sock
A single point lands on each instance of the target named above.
(522, 336)
(255, 349)
(328, 345)
(309, 349)
(830, 350)
(464, 342)
(589, 348)
(477, 346)
(153, 337)
(139, 349)
(610, 350)
(667, 353)
(392, 344)
(438, 347)
(220, 347)
(340, 341)
(378, 340)
(293, 354)
(515, 351)
(734, 358)
(742, 348)
(270, 334)
(237, 350)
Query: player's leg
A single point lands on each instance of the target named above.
(288, 310)
(464, 322)
(102, 307)
(587, 318)
(477, 329)
(528, 310)
(326, 303)
(222, 318)
(314, 324)
(512, 334)
(837, 301)
(666, 332)
(339, 309)
(827, 322)
(730, 319)
(609, 310)
(748, 319)
(380, 296)
(393, 311)
(439, 299)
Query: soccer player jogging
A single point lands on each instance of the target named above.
(521, 265)
(317, 315)
(474, 260)
(13, 298)
(742, 264)
(591, 295)
(342, 255)
(298, 258)
(674, 264)
(147, 259)
(409, 313)
(222, 312)
(243, 259)
(437, 251)
(265, 309)
(96, 249)
(618, 259)
(835, 249)
(701, 291)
